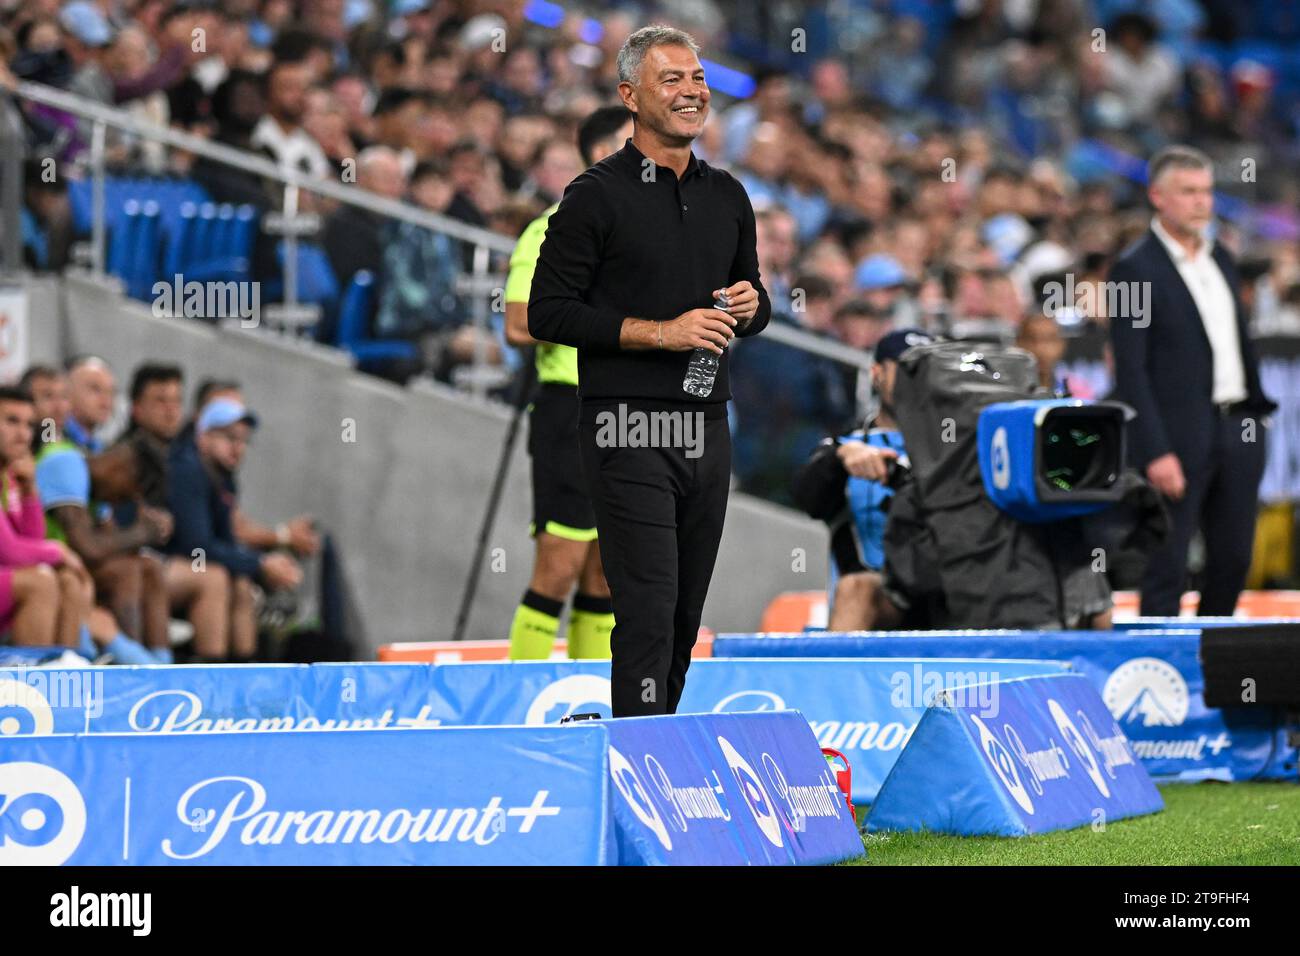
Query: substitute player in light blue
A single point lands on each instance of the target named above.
(844, 483)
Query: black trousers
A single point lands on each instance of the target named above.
(659, 512)
(1221, 498)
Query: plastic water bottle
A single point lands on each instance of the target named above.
(703, 368)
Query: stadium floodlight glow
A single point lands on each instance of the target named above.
(544, 13)
(1047, 460)
(591, 31)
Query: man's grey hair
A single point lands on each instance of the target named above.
(1176, 157)
(634, 48)
(372, 156)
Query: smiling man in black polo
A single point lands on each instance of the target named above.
(649, 268)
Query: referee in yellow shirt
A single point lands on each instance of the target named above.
(564, 523)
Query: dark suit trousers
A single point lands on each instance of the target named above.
(659, 514)
(1221, 499)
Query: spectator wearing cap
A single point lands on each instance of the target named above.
(880, 278)
(87, 34)
(97, 52)
(409, 10)
(1254, 118)
(203, 497)
(298, 534)
(845, 484)
(207, 391)
(884, 286)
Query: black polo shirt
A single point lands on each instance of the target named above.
(630, 240)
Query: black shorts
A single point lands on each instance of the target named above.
(560, 503)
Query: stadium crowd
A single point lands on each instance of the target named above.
(911, 164)
(102, 543)
(932, 165)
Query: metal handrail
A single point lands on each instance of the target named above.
(105, 116)
(251, 162)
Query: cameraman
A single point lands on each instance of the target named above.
(846, 483)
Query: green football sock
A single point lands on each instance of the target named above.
(590, 624)
(532, 633)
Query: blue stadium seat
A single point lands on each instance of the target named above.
(353, 333)
(159, 227)
(317, 284)
(170, 194)
(220, 243)
(121, 240)
(146, 252)
(135, 247)
(223, 232)
(180, 240)
(245, 232)
(204, 229)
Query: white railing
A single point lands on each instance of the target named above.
(480, 283)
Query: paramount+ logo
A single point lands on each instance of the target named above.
(669, 808)
(42, 815)
(1024, 771)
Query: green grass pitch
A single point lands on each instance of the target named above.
(1203, 824)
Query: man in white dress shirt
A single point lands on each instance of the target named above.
(1185, 363)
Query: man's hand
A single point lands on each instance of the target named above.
(698, 329)
(303, 539)
(742, 300)
(280, 571)
(157, 522)
(866, 461)
(23, 471)
(1166, 475)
